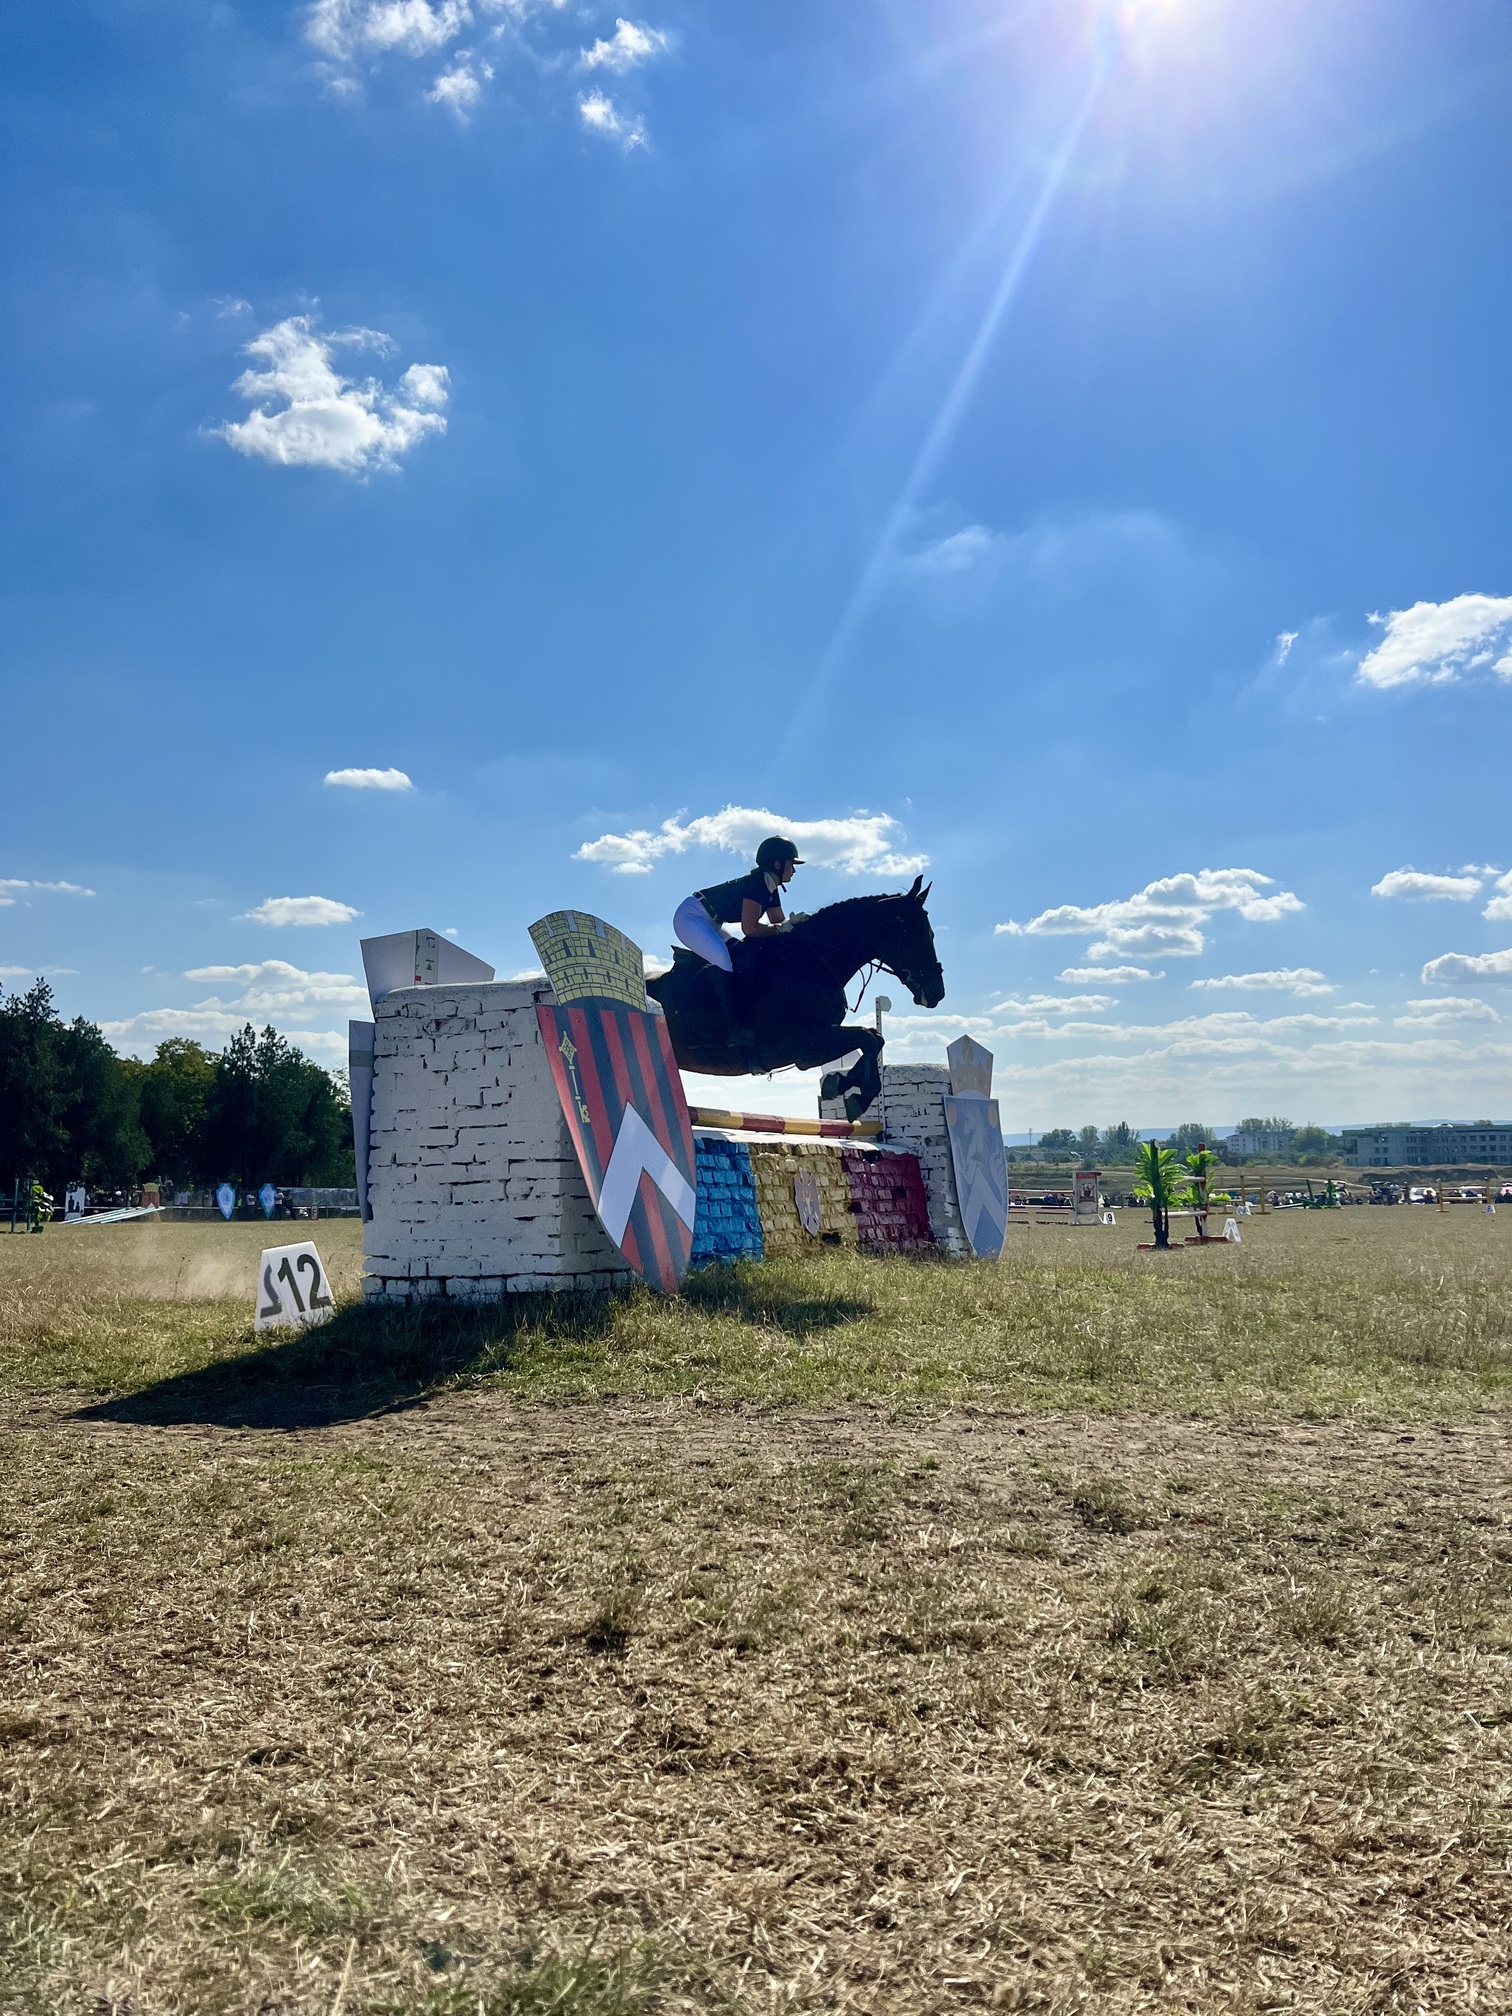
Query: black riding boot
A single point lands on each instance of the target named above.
(723, 983)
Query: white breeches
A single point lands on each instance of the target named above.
(698, 931)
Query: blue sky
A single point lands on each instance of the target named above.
(1062, 444)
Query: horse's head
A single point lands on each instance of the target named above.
(910, 948)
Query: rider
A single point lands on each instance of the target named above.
(753, 901)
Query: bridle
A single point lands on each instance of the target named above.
(868, 972)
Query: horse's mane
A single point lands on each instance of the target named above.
(851, 904)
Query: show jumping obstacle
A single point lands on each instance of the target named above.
(473, 1189)
(780, 1123)
(471, 1184)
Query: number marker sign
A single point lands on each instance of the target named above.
(225, 1197)
(292, 1288)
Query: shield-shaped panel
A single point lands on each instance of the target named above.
(981, 1171)
(621, 1093)
(806, 1199)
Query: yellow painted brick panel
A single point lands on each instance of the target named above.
(775, 1166)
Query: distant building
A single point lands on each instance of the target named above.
(1259, 1140)
(1403, 1147)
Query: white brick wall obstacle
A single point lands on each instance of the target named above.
(911, 1107)
(473, 1181)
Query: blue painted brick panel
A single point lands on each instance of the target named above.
(726, 1225)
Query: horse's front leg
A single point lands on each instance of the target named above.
(861, 1084)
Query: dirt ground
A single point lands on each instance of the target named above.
(828, 1709)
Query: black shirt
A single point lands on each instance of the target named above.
(726, 900)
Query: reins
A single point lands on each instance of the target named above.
(869, 973)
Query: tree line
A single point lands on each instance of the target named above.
(71, 1109)
(1118, 1146)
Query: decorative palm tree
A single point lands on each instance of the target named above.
(1159, 1182)
(1200, 1165)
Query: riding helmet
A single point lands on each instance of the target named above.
(772, 853)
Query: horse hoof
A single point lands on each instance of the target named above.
(829, 1085)
(855, 1105)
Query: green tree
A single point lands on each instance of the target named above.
(1058, 1145)
(1160, 1183)
(31, 1087)
(68, 1103)
(1190, 1135)
(1312, 1145)
(1119, 1144)
(276, 1117)
(1086, 1146)
(99, 1108)
(176, 1091)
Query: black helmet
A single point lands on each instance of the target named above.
(771, 854)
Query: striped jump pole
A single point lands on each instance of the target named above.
(777, 1123)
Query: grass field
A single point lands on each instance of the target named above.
(1099, 1631)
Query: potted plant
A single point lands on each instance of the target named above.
(1159, 1182)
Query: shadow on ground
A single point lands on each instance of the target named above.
(768, 1297)
(373, 1358)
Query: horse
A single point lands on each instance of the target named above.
(790, 990)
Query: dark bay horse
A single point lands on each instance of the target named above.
(791, 993)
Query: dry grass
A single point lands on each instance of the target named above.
(1384, 1313)
(915, 1638)
(771, 1711)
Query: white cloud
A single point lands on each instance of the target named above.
(1334, 1080)
(1229, 1023)
(1439, 1011)
(1284, 645)
(13, 887)
(326, 420)
(1452, 966)
(1499, 909)
(460, 88)
(355, 38)
(864, 844)
(1110, 976)
(957, 553)
(1056, 1004)
(348, 29)
(1433, 642)
(599, 114)
(369, 780)
(302, 910)
(271, 990)
(1412, 887)
(631, 43)
(212, 1027)
(273, 986)
(1280, 980)
(1165, 918)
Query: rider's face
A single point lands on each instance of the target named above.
(785, 872)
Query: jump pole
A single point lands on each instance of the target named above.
(777, 1123)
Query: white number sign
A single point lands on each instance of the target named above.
(292, 1287)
